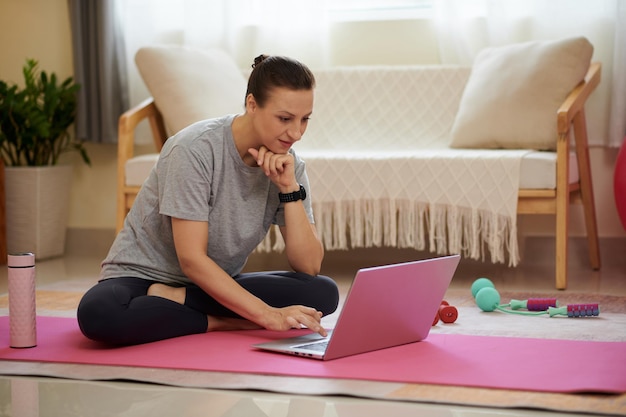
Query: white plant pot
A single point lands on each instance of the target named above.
(37, 209)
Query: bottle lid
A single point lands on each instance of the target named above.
(24, 259)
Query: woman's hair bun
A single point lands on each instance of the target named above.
(259, 59)
(270, 71)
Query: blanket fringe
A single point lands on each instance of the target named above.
(405, 224)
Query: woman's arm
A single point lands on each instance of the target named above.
(303, 248)
(190, 240)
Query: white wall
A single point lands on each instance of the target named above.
(40, 29)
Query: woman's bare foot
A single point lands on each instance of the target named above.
(227, 323)
(176, 294)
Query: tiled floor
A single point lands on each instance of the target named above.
(26, 396)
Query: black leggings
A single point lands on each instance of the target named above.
(119, 311)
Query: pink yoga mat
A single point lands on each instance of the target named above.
(474, 361)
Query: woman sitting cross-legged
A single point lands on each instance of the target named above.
(175, 267)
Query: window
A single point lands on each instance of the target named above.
(351, 10)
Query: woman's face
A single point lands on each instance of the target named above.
(283, 119)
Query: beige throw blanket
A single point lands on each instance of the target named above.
(451, 201)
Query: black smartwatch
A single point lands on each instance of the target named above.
(295, 196)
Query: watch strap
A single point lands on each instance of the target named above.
(294, 196)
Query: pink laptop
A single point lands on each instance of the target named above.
(386, 306)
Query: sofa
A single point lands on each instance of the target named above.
(438, 158)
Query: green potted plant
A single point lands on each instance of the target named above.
(35, 123)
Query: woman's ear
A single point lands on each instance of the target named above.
(251, 104)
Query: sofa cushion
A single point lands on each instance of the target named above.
(190, 84)
(138, 168)
(513, 94)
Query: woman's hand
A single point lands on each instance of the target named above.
(293, 317)
(279, 168)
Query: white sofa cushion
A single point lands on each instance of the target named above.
(138, 168)
(513, 93)
(190, 84)
(538, 170)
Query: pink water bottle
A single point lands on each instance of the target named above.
(22, 308)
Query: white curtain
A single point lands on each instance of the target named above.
(617, 127)
(301, 29)
(243, 28)
(465, 27)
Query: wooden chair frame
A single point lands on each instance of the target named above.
(570, 120)
(128, 122)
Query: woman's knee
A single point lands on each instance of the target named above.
(328, 294)
(95, 313)
(102, 308)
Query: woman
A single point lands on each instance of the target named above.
(175, 268)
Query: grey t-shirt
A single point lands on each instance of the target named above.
(199, 176)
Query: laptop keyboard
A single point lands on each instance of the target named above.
(317, 346)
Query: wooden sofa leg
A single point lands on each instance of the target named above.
(561, 260)
(562, 211)
(586, 188)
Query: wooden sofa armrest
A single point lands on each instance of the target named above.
(575, 101)
(127, 124)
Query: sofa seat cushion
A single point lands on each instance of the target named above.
(138, 168)
(538, 170)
